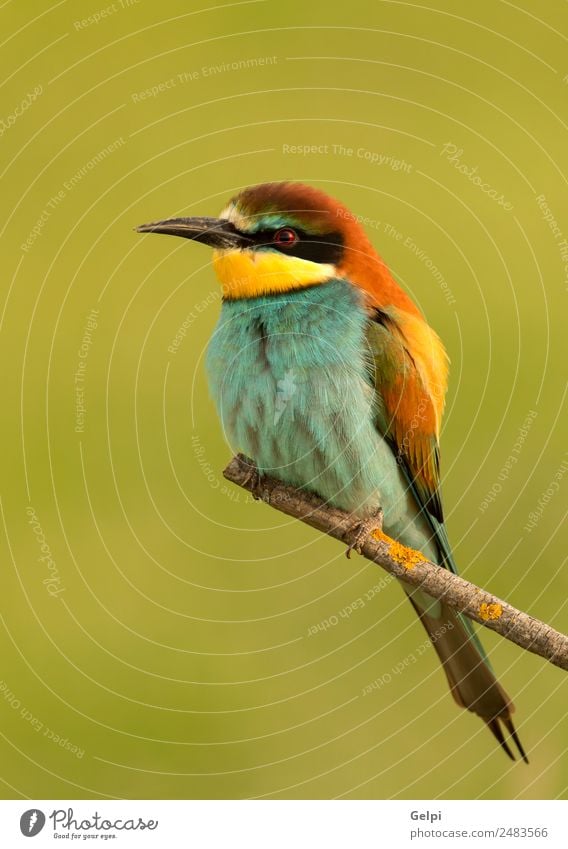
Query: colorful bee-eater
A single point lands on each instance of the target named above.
(326, 374)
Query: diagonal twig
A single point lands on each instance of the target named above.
(410, 566)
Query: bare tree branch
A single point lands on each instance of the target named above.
(410, 566)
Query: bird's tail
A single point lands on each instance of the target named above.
(471, 679)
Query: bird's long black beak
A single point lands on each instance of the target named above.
(216, 232)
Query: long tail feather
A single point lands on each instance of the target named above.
(471, 679)
(495, 728)
(508, 723)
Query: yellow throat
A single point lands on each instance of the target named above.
(251, 274)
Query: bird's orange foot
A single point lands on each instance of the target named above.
(361, 530)
(254, 481)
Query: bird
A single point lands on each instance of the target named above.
(326, 374)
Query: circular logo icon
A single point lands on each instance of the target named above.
(32, 822)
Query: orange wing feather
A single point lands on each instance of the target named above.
(411, 370)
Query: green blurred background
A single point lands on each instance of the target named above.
(169, 654)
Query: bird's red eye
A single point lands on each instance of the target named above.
(285, 237)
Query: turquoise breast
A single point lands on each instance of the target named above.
(290, 378)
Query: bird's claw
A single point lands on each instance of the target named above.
(361, 530)
(254, 482)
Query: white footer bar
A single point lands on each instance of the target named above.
(285, 824)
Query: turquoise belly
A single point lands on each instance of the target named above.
(288, 375)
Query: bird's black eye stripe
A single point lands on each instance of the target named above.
(327, 248)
